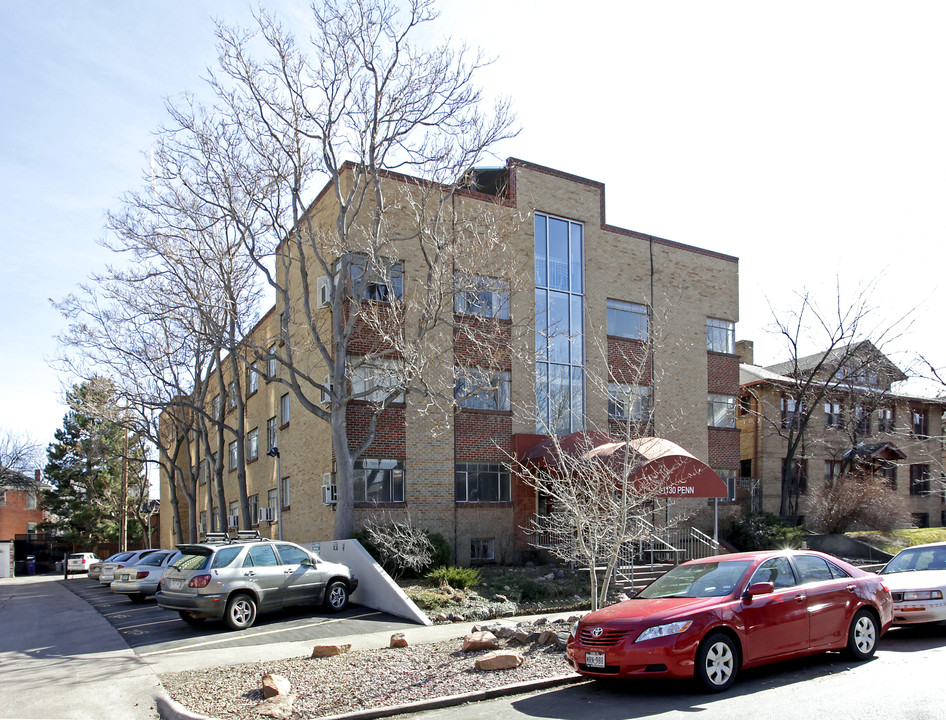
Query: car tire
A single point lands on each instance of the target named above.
(241, 612)
(862, 636)
(191, 619)
(336, 596)
(717, 662)
(137, 598)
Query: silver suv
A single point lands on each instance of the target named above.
(234, 578)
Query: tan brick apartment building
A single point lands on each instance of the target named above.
(897, 436)
(616, 290)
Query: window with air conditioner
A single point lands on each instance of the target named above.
(266, 514)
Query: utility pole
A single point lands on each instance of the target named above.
(123, 510)
(274, 452)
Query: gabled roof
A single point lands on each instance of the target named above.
(832, 357)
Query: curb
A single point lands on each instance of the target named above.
(170, 709)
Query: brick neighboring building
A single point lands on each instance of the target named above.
(897, 436)
(621, 287)
(20, 513)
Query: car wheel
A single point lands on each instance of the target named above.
(717, 662)
(241, 612)
(336, 596)
(137, 598)
(190, 618)
(862, 636)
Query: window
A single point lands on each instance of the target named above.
(216, 408)
(816, 569)
(30, 499)
(728, 477)
(291, 555)
(885, 419)
(833, 416)
(920, 519)
(482, 482)
(375, 379)
(720, 336)
(832, 469)
(284, 409)
(252, 444)
(919, 479)
(261, 555)
(627, 320)
(383, 281)
(559, 324)
(721, 411)
(272, 501)
(379, 481)
(204, 471)
(792, 412)
(482, 549)
(920, 423)
(479, 390)
(628, 402)
(861, 420)
(234, 508)
(745, 405)
(252, 380)
(231, 395)
(285, 492)
(271, 433)
(233, 455)
(254, 509)
(777, 571)
(889, 471)
(487, 297)
(272, 363)
(203, 521)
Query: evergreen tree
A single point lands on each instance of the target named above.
(85, 467)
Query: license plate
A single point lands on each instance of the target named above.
(594, 659)
(175, 584)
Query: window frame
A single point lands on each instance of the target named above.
(396, 483)
(252, 445)
(382, 374)
(462, 473)
(720, 336)
(493, 395)
(284, 410)
(482, 550)
(637, 315)
(714, 416)
(833, 415)
(920, 486)
(628, 402)
(232, 456)
(468, 301)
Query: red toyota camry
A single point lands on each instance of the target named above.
(707, 619)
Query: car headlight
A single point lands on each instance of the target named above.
(573, 630)
(915, 595)
(659, 631)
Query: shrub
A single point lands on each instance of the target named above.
(456, 577)
(764, 531)
(851, 501)
(442, 553)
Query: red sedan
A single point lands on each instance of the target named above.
(708, 618)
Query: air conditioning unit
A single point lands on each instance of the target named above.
(266, 514)
(233, 521)
(323, 291)
(329, 493)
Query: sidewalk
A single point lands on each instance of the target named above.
(48, 668)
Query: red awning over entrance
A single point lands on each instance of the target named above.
(653, 465)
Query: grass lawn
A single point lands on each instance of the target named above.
(895, 541)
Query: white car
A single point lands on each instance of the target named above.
(129, 558)
(80, 562)
(916, 577)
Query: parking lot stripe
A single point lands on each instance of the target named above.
(294, 628)
(156, 622)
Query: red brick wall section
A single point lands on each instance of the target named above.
(723, 448)
(480, 342)
(722, 373)
(629, 361)
(14, 516)
(390, 437)
(483, 436)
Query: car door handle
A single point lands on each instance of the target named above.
(851, 588)
(799, 598)
(248, 573)
(287, 572)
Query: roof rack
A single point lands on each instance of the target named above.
(216, 537)
(246, 536)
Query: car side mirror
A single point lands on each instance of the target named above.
(308, 562)
(759, 588)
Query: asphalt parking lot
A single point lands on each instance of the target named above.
(152, 632)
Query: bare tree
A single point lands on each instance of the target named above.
(358, 106)
(20, 456)
(856, 500)
(400, 545)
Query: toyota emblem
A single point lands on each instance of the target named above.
(597, 632)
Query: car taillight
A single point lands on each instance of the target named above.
(199, 581)
(142, 574)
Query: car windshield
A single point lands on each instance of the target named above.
(711, 579)
(920, 558)
(155, 559)
(122, 556)
(191, 561)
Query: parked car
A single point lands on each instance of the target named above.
(710, 618)
(234, 578)
(107, 574)
(139, 581)
(95, 569)
(80, 562)
(916, 577)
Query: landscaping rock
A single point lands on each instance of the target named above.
(275, 685)
(480, 641)
(321, 651)
(499, 660)
(398, 640)
(278, 706)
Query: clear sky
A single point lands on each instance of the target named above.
(807, 139)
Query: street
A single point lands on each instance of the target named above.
(903, 682)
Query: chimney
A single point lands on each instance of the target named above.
(745, 352)
(38, 474)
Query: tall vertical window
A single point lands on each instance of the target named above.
(285, 492)
(720, 336)
(30, 499)
(272, 500)
(252, 379)
(231, 395)
(920, 479)
(832, 470)
(792, 412)
(833, 417)
(559, 324)
(252, 444)
(270, 433)
(233, 455)
(920, 427)
(861, 420)
(216, 408)
(253, 501)
(885, 419)
(627, 320)
(271, 372)
(284, 409)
